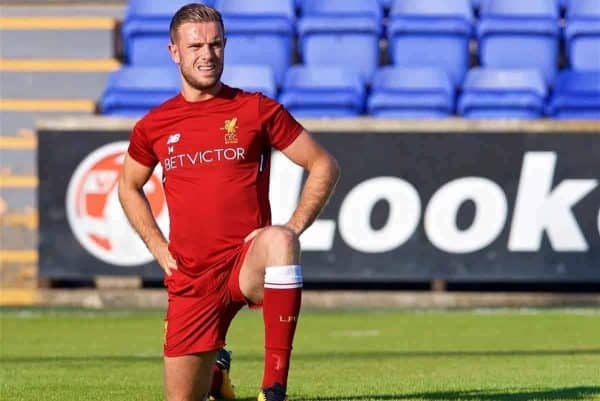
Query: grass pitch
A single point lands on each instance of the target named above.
(528, 355)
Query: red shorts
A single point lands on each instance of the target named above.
(201, 308)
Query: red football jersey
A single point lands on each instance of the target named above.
(215, 158)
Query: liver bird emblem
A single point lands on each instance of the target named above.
(230, 127)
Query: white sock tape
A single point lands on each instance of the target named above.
(289, 276)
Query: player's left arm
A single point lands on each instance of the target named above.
(323, 174)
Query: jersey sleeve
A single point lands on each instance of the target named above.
(278, 124)
(139, 147)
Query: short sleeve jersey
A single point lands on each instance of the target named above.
(215, 157)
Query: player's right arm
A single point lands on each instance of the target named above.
(137, 209)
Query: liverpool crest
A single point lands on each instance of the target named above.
(230, 127)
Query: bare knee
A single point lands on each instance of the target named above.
(273, 246)
(282, 245)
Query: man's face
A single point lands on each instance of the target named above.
(198, 49)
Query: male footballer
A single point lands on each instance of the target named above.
(214, 144)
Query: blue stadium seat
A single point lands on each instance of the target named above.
(503, 93)
(582, 34)
(342, 8)
(259, 32)
(133, 91)
(520, 34)
(576, 95)
(386, 4)
(476, 4)
(251, 77)
(341, 32)
(323, 91)
(431, 33)
(145, 30)
(403, 92)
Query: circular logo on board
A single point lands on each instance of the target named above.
(95, 214)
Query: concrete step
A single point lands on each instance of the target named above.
(21, 114)
(51, 78)
(18, 212)
(14, 122)
(57, 37)
(18, 194)
(44, 9)
(18, 155)
(17, 142)
(18, 161)
(25, 218)
(18, 268)
(17, 237)
(18, 274)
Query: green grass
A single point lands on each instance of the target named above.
(343, 355)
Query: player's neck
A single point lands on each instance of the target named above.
(191, 94)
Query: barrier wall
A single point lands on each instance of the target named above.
(454, 200)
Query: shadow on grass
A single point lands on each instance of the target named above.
(309, 356)
(570, 393)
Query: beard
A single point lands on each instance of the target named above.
(202, 84)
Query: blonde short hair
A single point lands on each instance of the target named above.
(194, 12)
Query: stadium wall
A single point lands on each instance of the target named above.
(419, 201)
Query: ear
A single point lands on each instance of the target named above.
(174, 52)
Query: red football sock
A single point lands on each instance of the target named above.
(281, 307)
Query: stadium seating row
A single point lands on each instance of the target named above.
(387, 4)
(419, 33)
(400, 92)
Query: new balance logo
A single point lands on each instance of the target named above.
(174, 138)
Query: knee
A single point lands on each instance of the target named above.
(281, 239)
